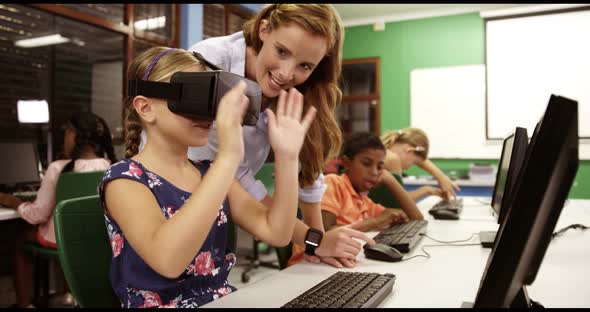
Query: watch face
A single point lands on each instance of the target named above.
(313, 237)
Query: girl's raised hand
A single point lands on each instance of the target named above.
(286, 128)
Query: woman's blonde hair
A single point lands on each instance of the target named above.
(173, 61)
(413, 136)
(321, 89)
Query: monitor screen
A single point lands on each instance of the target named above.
(19, 163)
(540, 191)
(513, 153)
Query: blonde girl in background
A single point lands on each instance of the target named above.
(408, 147)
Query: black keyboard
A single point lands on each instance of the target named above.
(346, 290)
(402, 237)
(26, 195)
(455, 205)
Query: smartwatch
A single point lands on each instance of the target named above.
(313, 238)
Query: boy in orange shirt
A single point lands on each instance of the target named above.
(345, 200)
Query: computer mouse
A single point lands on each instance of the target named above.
(443, 214)
(383, 252)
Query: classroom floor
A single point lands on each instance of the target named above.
(244, 244)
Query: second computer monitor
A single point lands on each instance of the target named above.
(540, 192)
(513, 153)
(19, 163)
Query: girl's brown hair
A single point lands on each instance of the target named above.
(174, 61)
(321, 89)
(413, 136)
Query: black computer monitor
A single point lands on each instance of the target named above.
(19, 163)
(513, 153)
(511, 158)
(541, 189)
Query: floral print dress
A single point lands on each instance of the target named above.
(135, 283)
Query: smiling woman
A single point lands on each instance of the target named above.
(287, 46)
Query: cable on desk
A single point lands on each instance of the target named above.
(449, 242)
(484, 201)
(427, 256)
(571, 226)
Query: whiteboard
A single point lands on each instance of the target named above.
(448, 103)
(528, 59)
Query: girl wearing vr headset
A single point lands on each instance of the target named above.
(166, 215)
(289, 46)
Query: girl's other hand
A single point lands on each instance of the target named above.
(430, 190)
(448, 188)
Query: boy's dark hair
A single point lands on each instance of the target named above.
(358, 141)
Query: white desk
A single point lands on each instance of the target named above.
(452, 274)
(8, 214)
(460, 182)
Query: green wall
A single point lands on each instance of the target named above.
(432, 42)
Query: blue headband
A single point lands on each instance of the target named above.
(153, 63)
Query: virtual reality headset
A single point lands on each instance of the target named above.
(197, 94)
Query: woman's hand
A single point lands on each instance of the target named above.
(286, 128)
(228, 121)
(340, 242)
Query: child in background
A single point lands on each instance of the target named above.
(86, 141)
(169, 238)
(346, 202)
(408, 147)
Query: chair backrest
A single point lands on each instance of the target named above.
(77, 184)
(84, 251)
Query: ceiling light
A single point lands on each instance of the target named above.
(151, 23)
(41, 41)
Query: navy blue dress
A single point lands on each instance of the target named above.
(135, 283)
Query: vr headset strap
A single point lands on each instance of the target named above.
(163, 90)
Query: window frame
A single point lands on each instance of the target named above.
(369, 97)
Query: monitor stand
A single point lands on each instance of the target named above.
(521, 300)
(487, 238)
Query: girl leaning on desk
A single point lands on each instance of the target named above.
(408, 147)
(87, 147)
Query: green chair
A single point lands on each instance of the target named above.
(382, 195)
(69, 185)
(84, 251)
